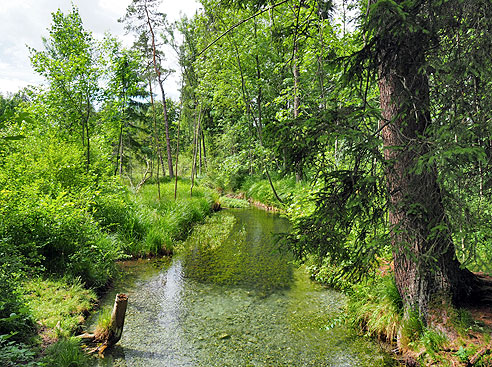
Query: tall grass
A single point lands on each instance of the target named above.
(146, 225)
(294, 195)
(167, 220)
(66, 353)
(376, 308)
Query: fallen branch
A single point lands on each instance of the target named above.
(145, 177)
(478, 356)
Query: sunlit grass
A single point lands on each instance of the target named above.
(58, 305)
(230, 202)
(168, 220)
(103, 322)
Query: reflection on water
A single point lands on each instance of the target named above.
(248, 257)
(238, 304)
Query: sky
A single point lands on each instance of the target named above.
(25, 22)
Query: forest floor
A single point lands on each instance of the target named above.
(468, 339)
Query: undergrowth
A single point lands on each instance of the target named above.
(231, 202)
(58, 306)
(66, 352)
(375, 307)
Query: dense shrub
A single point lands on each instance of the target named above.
(59, 235)
(15, 319)
(13, 354)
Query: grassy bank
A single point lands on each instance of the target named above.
(66, 247)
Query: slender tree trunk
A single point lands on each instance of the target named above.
(88, 155)
(158, 180)
(160, 162)
(426, 267)
(204, 151)
(120, 151)
(156, 133)
(166, 127)
(177, 157)
(164, 105)
(200, 152)
(195, 148)
(295, 71)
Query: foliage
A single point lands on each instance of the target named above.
(66, 352)
(347, 227)
(433, 341)
(58, 232)
(287, 100)
(15, 318)
(68, 65)
(14, 354)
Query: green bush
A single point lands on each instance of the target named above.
(59, 235)
(15, 319)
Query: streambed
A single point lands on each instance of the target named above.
(240, 302)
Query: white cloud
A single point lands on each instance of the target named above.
(25, 22)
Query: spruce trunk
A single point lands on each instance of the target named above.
(426, 267)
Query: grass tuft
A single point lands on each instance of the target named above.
(103, 322)
(375, 307)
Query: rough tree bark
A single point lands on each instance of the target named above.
(426, 267)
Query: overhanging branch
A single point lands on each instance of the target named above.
(238, 24)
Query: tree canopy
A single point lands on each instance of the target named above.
(367, 122)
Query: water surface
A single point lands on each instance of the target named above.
(237, 302)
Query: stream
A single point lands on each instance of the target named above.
(240, 302)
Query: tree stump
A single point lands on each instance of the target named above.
(117, 319)
(115, 328)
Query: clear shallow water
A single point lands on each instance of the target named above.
(242, 303)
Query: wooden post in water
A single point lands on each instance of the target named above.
(117, 319)
(115, 329)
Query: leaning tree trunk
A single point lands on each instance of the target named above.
(426, 267)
